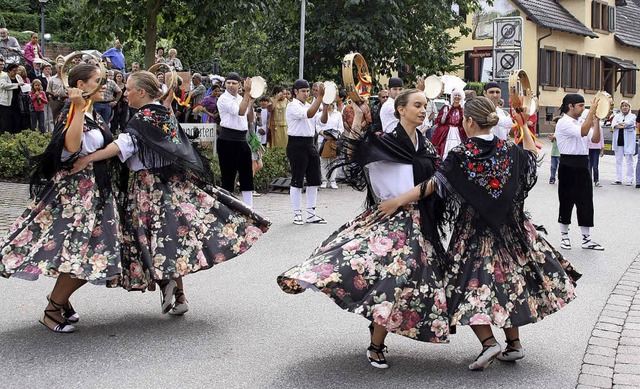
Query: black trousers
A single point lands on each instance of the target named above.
(235, 160)
(11, 119)
(304, 161)
(575, 188)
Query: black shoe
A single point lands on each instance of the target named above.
(378, 350)
(637, 186)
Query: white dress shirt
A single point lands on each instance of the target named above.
(505, 123)
(569, 137)
(387, 117)
(298, 124)
(334, 121)
(228, 107)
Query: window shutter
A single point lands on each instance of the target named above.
(566, 72)
(558, 70)
(598, 85)
(633, 82)
(612, 18)
(542, 67)
(593, 14)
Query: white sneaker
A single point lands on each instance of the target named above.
(588, 244)
(565, 243)
(323, 185)
(297, 219)
(334, 185)
(629, 183)
(315, 219)
(486, 357)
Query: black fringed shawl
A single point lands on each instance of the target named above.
(47, 164)
(397, 147)
(494, 177)
(164, 147)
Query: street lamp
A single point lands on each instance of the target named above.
(42, 3)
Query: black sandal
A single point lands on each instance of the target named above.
(68, 312)
(63, 327)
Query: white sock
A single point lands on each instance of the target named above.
(247, 196)
(312, 198)
(586, 231)
(564, 229)
(296, 198)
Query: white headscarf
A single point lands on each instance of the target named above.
(454, 93)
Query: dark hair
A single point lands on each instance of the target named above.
(11, 66)
(264, 98)
(277, 89)
(82, 72)
(402, 100)
(482, 111)
(215, 86)
(159, 48)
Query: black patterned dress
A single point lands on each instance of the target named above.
(72, 226)
(177, 222)
(385, 269)
(499, 269)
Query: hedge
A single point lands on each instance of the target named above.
(14, 164)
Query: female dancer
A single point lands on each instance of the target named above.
(177, 222)
(385, 269)
(449, 121)
(499, 270)
(71, 230)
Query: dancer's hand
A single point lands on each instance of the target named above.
(80, 164)
(389, 207)
(75, 94)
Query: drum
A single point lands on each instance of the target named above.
(362, 90)
(330, 92)
(605, 105)
(258, 86)
(171, 74)
(433, 87)
(521, 97)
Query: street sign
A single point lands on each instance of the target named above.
(504, 62)
(507, 32)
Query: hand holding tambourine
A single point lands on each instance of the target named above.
(75, 94)
(247, 86)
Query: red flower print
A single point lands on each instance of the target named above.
(480, 168)
(147, 113)
(471, 165)
(495, 184)
(469, 145)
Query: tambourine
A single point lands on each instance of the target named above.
(605, 105)
(357, 92)
(433, 87)
(521, 100)
(258, 86)
(174, 77)
(330, 92)
(65, 78)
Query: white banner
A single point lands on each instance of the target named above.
(207, 132)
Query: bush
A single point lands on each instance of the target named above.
(14, 164)
(275, 164)
(477, 86)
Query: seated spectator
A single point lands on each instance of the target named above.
(160, 55)
(8, 42)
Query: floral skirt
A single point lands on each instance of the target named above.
(68, 231)
(492, 281)
(383, 269)
(174, 228)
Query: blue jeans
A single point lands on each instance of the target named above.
(594, 162)
(554, 168)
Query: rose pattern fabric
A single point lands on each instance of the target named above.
(175, 228)
(382, 269)
(491, 174)
(491, 281)
(68, 231)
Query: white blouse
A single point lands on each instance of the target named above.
(128, 152)
(92, 140)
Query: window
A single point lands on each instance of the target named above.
(628, 83)
(590, 75)
(603, 16)
(549, 67)
(571, 69)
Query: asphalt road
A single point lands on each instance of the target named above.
(243, 332)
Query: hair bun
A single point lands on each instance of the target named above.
(493, 118)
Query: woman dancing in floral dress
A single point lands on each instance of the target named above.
(385, 269)
(71, 229)
(177, 222)
(498, 270)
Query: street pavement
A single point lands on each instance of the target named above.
(243, 332)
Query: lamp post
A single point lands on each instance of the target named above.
(42, 3)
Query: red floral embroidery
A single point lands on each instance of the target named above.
(495, 184)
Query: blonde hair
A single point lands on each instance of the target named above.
(402, 100)
(35, 83)
(482, 111)
(148, 82)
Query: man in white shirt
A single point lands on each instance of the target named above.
(302, 153)
(493, 92)
(574, 178)
(234, 153)
(387, 117)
